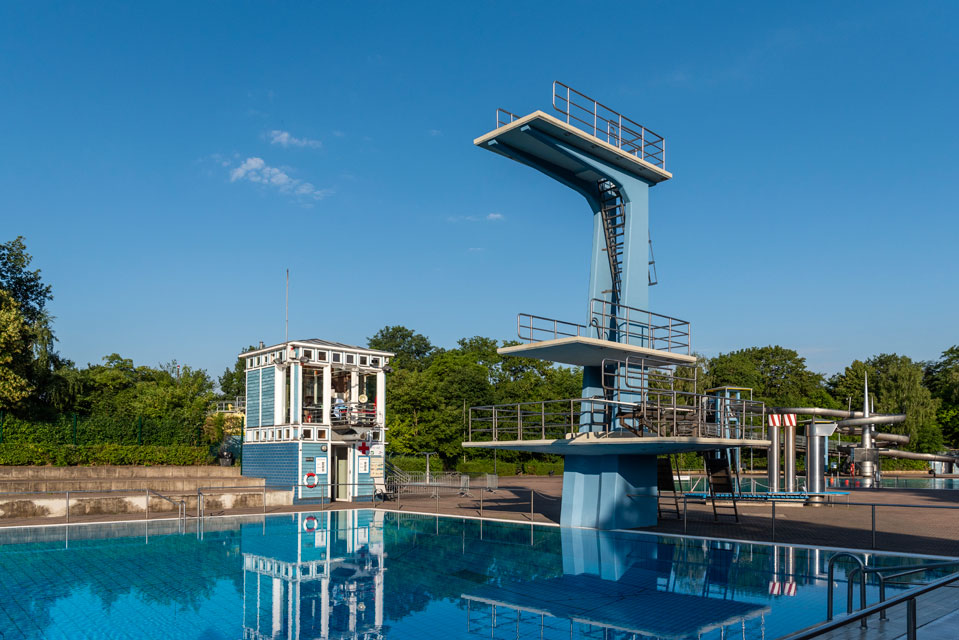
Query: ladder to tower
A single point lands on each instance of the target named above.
(613, 212)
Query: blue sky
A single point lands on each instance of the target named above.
(167, 162)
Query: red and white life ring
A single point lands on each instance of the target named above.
(309, 524)
(308, 478)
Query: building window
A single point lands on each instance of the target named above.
(350, 358)
(375, 436)
(321, 434)
(337, 357)
(308, 353)
(375, 362)
(364, 361)
(321, 356)
(308, 434)
(249, 363)
(286, 434)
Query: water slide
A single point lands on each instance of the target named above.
(853, 422)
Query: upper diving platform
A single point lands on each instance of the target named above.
(614, 332)
(585, 125)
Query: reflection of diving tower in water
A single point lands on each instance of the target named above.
(323, 581)
(639, 395)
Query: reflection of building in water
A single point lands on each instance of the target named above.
(324, 581)
(611, 588)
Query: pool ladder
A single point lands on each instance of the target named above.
(861, 572)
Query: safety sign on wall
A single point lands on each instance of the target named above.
(321, 465)
(364, 464)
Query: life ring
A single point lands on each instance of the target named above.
(307, 478)
(307, 524)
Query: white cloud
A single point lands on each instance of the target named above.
(492, 217)
(285, 139)
(435, 132)
(258, 171)
(476, 249)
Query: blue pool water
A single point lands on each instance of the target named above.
(374, 574)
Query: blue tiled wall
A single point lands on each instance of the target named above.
(277, 462)
(267, 381)
(253, 398)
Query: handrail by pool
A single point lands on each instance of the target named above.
(907, 597)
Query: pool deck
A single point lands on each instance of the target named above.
(903, 530)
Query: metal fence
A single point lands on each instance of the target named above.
(837, 522)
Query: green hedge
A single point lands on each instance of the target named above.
(535, 467)
(126, 430)
(103, 454)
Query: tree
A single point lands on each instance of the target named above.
(25, 286)
(777, 376)
(14, 353)
(233, 381)
(942, 379)
(895, 386)
(412, 349)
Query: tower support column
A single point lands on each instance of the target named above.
(609, 491)
(790, 442)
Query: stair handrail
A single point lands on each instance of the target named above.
(862, 584)
(180, 504)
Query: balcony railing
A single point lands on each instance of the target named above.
(616, 323)
(655, 413)
(343, 414)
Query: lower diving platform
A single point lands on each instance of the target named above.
(610, 448)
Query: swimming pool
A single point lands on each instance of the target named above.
(375, 574)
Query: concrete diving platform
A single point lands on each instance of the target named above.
(597, 444)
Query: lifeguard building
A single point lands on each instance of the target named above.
(316, 418)
(640, 395)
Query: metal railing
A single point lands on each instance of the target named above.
(238, 404)
(73, 497)
(657, 413)
(353, 413)
(373, 490)
(908, 598)
(532, 328)
(615, 323)
(179, 504)
(504, 117)
(638, 327)
(608, 125)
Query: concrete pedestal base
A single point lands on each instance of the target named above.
(609, 491)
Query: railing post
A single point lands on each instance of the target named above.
(147, 510)
(531, 492)
(911, 619)
(481, 503)
(68, 506)
(519, 421)
(264, 498)
(685, 521)
(542, 418)
(873, 526)
(774, 520)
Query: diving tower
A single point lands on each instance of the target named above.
(640, 396)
